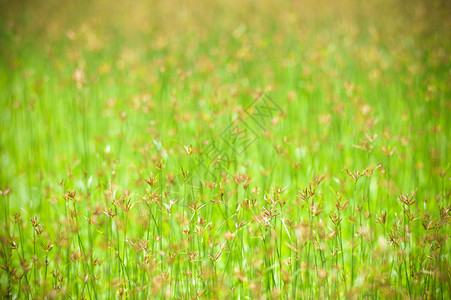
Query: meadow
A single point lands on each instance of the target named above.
(225, 149)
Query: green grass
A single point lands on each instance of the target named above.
(121, 176)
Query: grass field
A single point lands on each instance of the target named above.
(225, 149)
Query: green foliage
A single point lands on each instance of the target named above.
(276, 149)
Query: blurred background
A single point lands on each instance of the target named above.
(80, 76)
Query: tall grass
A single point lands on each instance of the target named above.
(138, 159)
